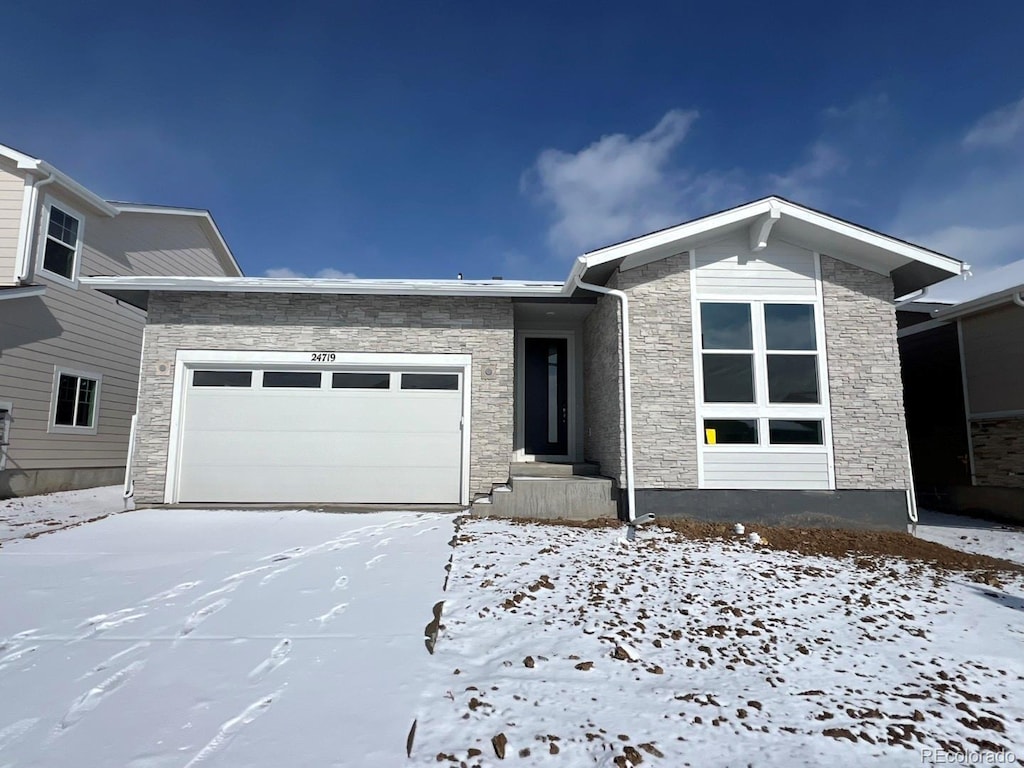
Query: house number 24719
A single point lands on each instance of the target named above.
(323, 357)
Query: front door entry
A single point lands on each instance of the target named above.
(546, 397)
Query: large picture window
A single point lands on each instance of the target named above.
(62, 242)
(761, 373)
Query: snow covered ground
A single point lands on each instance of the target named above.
(241, 638)
(32, 515)
(187, 638)
(969, 535)
(563, 646)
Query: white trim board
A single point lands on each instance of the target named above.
(186, 359)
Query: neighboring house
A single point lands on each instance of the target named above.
(69, 356)
(963, 370)
(758, 379)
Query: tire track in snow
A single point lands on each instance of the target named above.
(167, 594)
(232, 727)
(17, 640)
(15, 731)
(106, 621)
(14, 656)
(197, 618)
(332, 614)
(277, 657)
(226, 589)
(95, 696)
(109, 662)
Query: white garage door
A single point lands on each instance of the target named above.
(325, 436)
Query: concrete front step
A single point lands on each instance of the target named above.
(552, 469)
(574, 497)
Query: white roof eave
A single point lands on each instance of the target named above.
(495, 288)
(898, 251)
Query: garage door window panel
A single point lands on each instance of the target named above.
(292, 379)
(222, 378)
(360, 380)
(430, 381)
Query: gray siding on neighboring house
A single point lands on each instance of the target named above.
(84, 330)
(11, 190)
(868, 429)
(386, 324)
(993, 353)
(602, 389)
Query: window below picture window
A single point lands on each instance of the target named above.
(75, 402)
(61, 242)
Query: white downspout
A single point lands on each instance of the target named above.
(627, 390)
(27, 226)
(1018, 298)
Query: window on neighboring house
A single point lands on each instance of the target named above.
(5, 432)
(75, 401)
(62, 243)
(761, 363)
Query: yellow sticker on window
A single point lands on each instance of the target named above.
(711, 436)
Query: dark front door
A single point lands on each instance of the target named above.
(546, 397)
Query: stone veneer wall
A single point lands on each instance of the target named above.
(869, 434)
(998, 452)
(287, 322)
(602, 389)
(661, 348)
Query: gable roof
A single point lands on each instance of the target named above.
(112, 209)
(912, 267)
(206, 220)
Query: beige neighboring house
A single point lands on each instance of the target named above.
(69, 355)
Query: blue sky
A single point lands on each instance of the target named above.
(423, 139)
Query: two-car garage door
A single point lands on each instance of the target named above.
(296, 434)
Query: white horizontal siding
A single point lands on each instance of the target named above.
(765, 470)
(11, 191)
(728, 268)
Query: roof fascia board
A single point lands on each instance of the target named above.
(228, 257)
(34, 164)
(764, 207)
(314, 286)
(22, 293)
(882, 242)
(680, 232)
(978, 305)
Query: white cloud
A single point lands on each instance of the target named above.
(806, 182)
(998, 128)
(323, 274)
(621, 186)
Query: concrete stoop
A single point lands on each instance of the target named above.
(551, 492)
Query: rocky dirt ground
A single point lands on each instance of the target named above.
(566, 645)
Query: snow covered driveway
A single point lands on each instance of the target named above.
(562, 646)
(218, 638)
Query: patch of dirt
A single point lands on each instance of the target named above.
(829, 542)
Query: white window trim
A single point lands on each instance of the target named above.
(188, 359)
(44, 234)
(7, 407)
(762, 411)
(63, 429)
